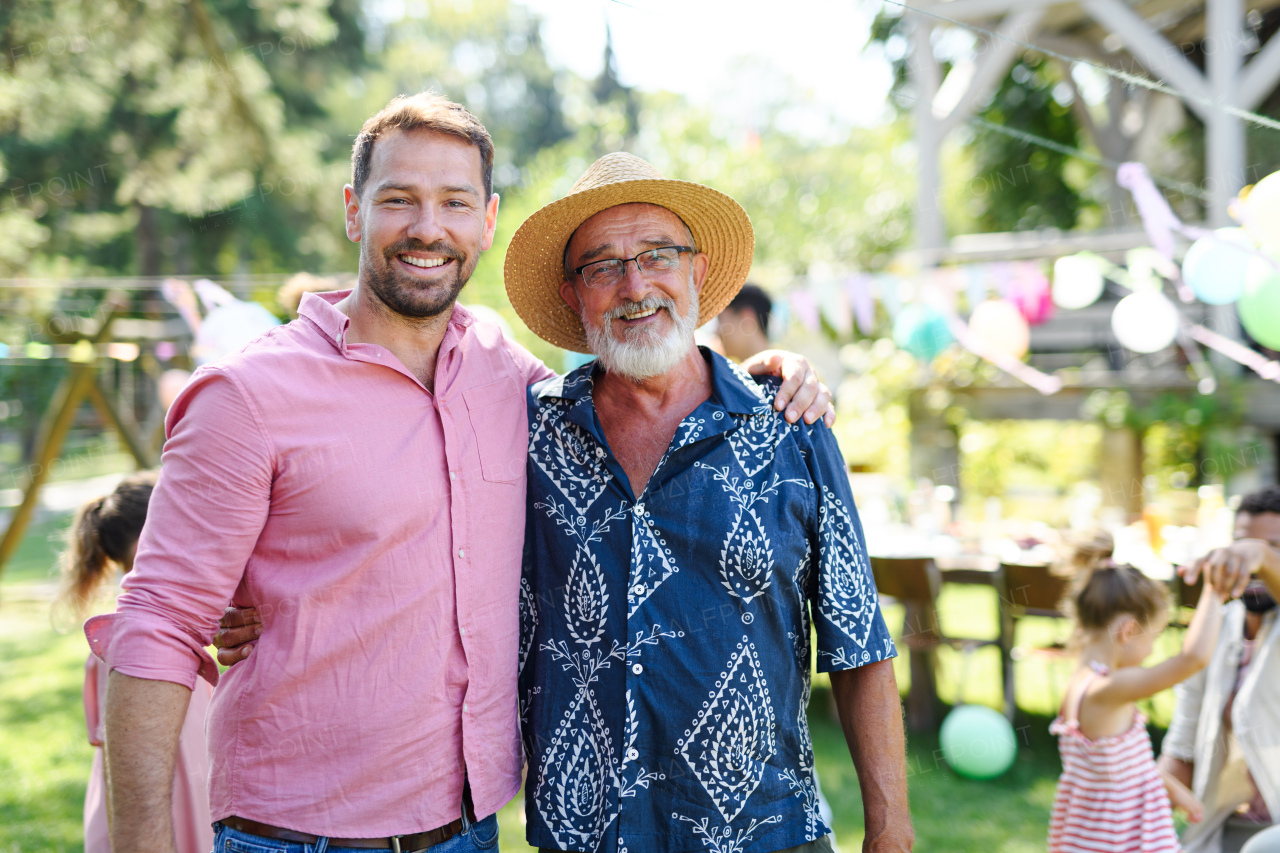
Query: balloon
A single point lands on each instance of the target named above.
(922, 331)
(1215, 266)
(1029, 290)
(1259, 305)
(1145, 321)
(1000, 325)
(1077, 281)
(1267, 841)
(978, 742)
(1261, 213)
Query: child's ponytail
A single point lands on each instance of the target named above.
(103, 534)
(1104, 590)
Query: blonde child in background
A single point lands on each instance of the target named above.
(103, 538)
(1110, 796)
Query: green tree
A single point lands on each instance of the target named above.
(164, 136)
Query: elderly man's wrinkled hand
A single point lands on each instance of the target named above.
(238, 630)
(801, 394)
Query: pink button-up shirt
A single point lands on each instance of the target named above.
(378, 528)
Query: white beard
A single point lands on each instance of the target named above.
(643, 353)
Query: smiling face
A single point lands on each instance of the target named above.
(422, 221)
(642, 326)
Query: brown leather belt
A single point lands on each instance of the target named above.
(398, 843)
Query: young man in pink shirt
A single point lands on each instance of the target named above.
(359, 476)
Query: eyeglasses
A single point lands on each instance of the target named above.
(614, 270)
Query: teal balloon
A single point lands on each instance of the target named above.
(977, 742)
(922, 331)
(1259, 304)
(1215, 267)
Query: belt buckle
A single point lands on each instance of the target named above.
(395, 843)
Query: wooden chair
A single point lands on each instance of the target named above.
(915, 582)
(1028, 590)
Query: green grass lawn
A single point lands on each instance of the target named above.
(45, 758)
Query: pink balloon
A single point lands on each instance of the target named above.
(1029, 289)
(998, 324)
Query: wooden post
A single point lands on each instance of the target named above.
(138, 448)
(70, 394)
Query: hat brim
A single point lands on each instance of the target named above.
(534, 266)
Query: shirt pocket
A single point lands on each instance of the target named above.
(498, 419)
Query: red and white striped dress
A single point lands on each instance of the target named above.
(1110, 797)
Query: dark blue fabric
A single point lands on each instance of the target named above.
(664, 666)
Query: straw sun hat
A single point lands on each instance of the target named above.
(534, 268)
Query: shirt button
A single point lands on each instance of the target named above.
(636, 669)
(453, 475)
(638, 589)
(465, 708)
(462, 631)
(600, 452)
(461, 554)
(633, 754)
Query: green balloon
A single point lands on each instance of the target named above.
(978, 742)
(1259, 304)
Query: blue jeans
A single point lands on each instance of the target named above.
(479, 837)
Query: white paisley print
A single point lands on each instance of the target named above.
(665, 637)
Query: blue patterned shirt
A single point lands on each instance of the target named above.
(664, 654)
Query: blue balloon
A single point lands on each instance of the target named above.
(922, 331)
(1215, 266)
(978, 742)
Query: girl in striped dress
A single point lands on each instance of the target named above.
(1110, 797)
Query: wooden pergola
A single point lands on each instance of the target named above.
(1145, 37)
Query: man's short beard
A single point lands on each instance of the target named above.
(405, 295)
(643, 353)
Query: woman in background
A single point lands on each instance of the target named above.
(104, 538)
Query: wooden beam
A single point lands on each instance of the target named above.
(979, 10)
(1260, 76)
(1154, 51)
(69, 396)
(1000, 55)
(139, 449)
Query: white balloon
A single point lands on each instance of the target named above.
(1077, 281)
(1267, 841)
(1145, 321)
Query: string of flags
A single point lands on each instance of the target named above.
(1237, 266)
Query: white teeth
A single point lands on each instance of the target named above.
(426, 263)
(641, 314)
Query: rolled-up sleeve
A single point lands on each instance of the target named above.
(206, 513)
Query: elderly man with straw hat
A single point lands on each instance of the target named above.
(682, 537)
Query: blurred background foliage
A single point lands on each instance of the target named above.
(213, 137)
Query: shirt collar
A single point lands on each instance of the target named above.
(731, 386)
(321, 309)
